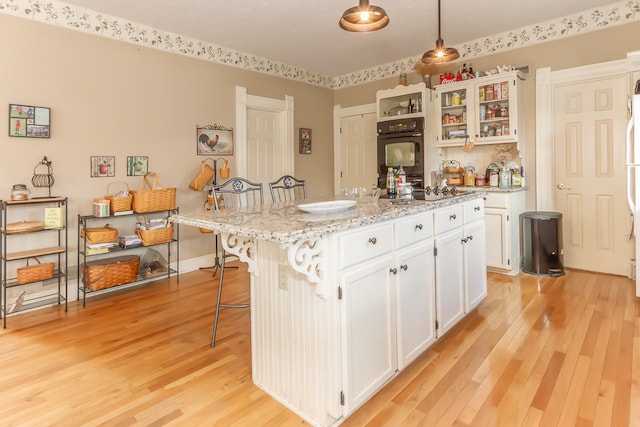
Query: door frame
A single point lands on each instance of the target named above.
(338, 114)
(284, 107)
(546, 80)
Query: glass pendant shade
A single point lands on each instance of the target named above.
(363, 18)
(440, 54)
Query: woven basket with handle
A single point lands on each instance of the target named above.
(155, 236)
(109, 272)
(121, 203)
(153, 196)
(204, 176)
(100, 234)
(35, 272)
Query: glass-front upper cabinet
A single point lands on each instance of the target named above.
(482, 110)
(497, 109)
(455, 106)
(401, 102)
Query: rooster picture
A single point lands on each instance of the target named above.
(209, 142)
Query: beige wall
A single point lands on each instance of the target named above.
(591, 48)
(114, 98)
(118, 99)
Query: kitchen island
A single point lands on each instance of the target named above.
(343, 301)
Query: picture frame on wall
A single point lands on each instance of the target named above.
(29, 121)
(103, 166)
(214, 140)
(137, 165)
(305, 141)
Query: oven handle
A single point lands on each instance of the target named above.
(398, 135)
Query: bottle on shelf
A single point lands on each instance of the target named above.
(391, 181)
(505, 177)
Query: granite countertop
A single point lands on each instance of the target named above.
(285, 223)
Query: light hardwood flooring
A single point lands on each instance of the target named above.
(538, 351)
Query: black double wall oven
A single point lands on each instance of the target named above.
(401, 143)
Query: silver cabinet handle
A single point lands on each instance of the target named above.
(419, 227)
(463, 240)
(404, 267)
(373, 240)
(469, 237)
(452, 217)
(477, 208)
(393, 270)
(561, 186)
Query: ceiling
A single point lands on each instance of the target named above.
(306, 34)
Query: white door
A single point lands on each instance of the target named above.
(590, 175)
(449, 280)
(264, 139)
(415, 305)
(368, 307)
(475, 264)
(358, 156)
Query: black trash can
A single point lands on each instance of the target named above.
(541, 243)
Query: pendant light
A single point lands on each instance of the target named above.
(364, 18)
(440, 54)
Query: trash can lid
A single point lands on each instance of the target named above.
(541, 215)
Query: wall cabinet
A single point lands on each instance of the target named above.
(27, 234)
(401, 102)
(121, 223)
(483, 111)
(502, 213)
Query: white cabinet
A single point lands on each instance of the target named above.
(485, 110)
(387, 291)
(369, 334)
(502, 213)
(413, 272)
(401, 102)
(475, 267)
(449, 280)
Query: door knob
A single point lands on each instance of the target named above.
(562, 187)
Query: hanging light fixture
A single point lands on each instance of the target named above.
(364, 18)
(440, 54)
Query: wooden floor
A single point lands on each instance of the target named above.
(538, 351)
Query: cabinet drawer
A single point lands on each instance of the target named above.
(496, 200)
(414, 229)
(447, 219)
(473, 210)
(365, 244)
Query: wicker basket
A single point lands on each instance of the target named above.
(100, 234)
(35, 273)
(119, 204)
(153, 196)
(204, 176)
(155, 236)
(109, 272)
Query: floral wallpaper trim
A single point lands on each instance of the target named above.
(92, 22)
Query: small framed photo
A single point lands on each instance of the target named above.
(103, 166)
(29, 121)
(137, 165)
(305, 141)
(214, 140)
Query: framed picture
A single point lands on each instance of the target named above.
(214, 140)
(137, 165)
(305, 141)
(103, 166)
(29, 121)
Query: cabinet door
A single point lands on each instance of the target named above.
(475, 269)
(415, 304)
(449, 280)
(497, 238)
(369, 331)
(496, 109)
(454, 106)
